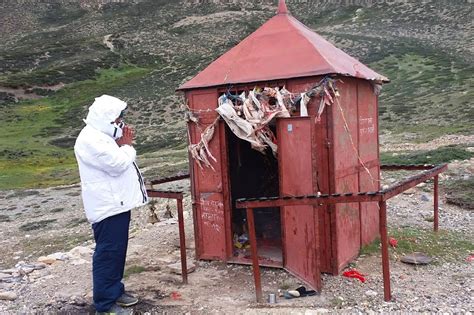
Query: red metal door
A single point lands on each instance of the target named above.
(299, 223)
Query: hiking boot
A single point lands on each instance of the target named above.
(126, 300)
(115, 310)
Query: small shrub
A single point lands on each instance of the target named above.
(133, 270)
(461, 193)
(441, 155)
(4, 218)
(37, 225)
(76, 222)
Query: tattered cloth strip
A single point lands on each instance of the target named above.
(200, 151)
(248, 116)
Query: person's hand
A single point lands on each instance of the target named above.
(127, 136)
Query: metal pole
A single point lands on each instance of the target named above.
(253, 248)
(182, 242)
(385, 259)
(435, 197)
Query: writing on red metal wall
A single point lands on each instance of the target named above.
(366, 126)
(212, 214)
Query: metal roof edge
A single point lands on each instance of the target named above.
(184, 89)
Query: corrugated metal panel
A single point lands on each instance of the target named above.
(281, 48)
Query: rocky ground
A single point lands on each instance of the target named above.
(47, 245)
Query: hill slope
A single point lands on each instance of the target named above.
(57, 56)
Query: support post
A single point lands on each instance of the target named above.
(182, 242)
(436, 212)
(253, 248)
(385, 258)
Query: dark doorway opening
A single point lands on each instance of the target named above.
(254, 175)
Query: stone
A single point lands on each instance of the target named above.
(9, 271)
(166, 260)
(42, 273)
(9, 296)
(80, 252)
(189, 243)
(77, 300)
(176, 267)
(39, 266)
(47, 260)
(59, 256)
(410, 191)
(424, 198)
(79, 261)
(6, 286)
(25, 270)
(4, 276)
(371, 293)
(416, 258)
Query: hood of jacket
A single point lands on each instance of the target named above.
(103, 112)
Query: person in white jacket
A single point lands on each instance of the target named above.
(112, 185)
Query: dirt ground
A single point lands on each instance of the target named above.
(36, 223)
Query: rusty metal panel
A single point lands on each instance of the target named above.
(203, 102)
(203, 105)
(300, 234)
(211, 220)
(226, 194)
(369, 175)
(321, 183)
(347, 224)
(345, 142)
(206, 183)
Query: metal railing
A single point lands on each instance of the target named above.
(430, 171)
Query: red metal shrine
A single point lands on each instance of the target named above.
(335, 155)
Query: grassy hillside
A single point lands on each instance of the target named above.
(57, 56)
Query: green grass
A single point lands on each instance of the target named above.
(441, 155)
(27, 157)
(442, 246)
(165, 163)
(36, 225)
(133, 270)
(427, 88)
(461, 192)
(424, 133)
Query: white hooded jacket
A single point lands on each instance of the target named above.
(110, 179)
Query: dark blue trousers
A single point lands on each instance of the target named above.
(111, 238)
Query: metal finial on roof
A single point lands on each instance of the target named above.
(282, 9)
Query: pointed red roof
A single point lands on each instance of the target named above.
(281, 48)
(282, 9)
